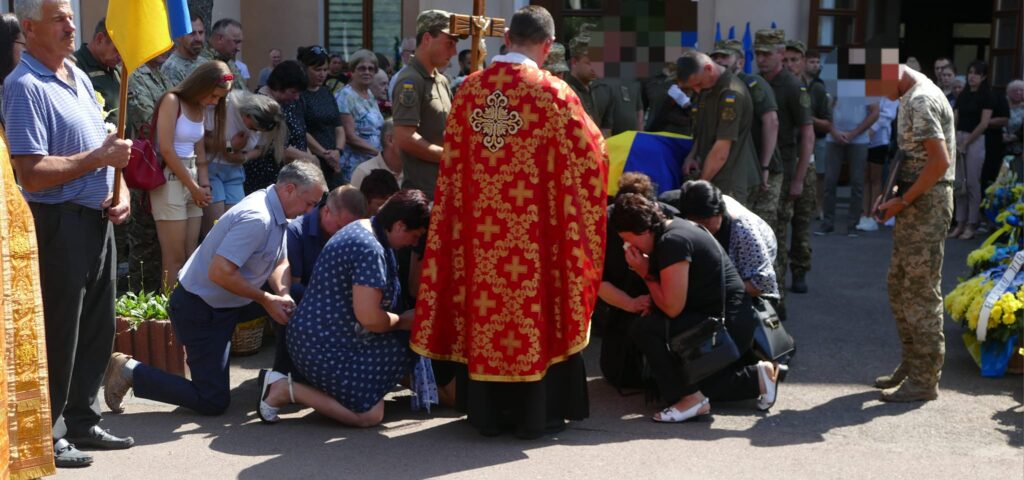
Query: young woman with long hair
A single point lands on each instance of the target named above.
(178, 204)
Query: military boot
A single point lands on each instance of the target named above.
(893, 379)
(911, 391)
(799, 283)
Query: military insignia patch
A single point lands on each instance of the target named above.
(731, 98)
(805, 99)
(758, 93)
(408, 96)
(728, 114)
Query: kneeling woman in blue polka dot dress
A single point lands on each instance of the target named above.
(344, 338)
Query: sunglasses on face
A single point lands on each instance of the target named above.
(366, 68)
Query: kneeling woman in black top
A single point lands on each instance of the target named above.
(681, 263)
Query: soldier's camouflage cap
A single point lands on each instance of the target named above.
(768, 39)
(728, 47)
(434, 20)
(555, 62)
(796, 45)
(579, 46)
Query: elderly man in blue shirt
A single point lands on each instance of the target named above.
(220, 286)
(64, 158)
(307, 236)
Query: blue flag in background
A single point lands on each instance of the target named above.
(748, 54)
(732, 32)
(718, 32)
(178, 18)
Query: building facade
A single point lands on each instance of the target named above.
(635, 38)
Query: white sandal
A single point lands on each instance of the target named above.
(267, 378)
(771, 386)
(674, 415)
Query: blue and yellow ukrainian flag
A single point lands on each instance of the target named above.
(658, 155)
(143, 29)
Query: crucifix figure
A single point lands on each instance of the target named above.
(477, 26)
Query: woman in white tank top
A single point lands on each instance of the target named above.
(178, 204)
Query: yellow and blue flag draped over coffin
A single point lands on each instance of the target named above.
(143, 29)
(658, 155)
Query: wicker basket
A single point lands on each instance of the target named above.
(248, 337)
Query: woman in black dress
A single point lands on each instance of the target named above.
(681, 263)
(324, 133)
(285, 84)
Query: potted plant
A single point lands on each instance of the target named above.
(144, 332)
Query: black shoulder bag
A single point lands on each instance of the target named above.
(707, 347)
(771, 341)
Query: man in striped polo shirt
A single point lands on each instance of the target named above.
(64, 162)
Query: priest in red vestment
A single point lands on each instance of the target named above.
(516, 243)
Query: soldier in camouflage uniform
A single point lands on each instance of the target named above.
(796, 142)
(145, 87)
(225, 43)
(582, 78)
(186, 56)
(555, 63)
(806, 205)
(924, 209)
(764, 197)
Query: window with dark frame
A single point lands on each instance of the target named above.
(836, 23)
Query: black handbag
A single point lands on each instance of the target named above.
(771, 341)
(706, 348)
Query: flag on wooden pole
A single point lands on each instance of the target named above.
(141, 30)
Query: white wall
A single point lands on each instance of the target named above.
(790, 15)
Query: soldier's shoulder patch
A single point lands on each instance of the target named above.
(729, 98)
(757, 93)
(805, 99)
(408, 96)
(728, 113)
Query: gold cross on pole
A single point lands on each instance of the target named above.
(477, 26)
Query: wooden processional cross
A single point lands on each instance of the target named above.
(477, 26)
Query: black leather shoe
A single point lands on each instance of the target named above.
(99, 438)
(65, 455)
(799, 284)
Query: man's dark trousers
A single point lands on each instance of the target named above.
(76, 275)
(206, 334)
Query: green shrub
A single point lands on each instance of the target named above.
(139, 307)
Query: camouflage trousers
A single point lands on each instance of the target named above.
(144, 260)
(792, 229)
(765, 203)
(803, 211)
(915, 282)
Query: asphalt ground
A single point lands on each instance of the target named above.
(828, 422)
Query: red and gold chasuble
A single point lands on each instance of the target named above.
(516, 242)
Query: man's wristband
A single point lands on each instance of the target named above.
(904, 201)
(765, 167)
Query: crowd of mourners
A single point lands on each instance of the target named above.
(304, 194)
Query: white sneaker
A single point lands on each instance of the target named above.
(867, 225)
